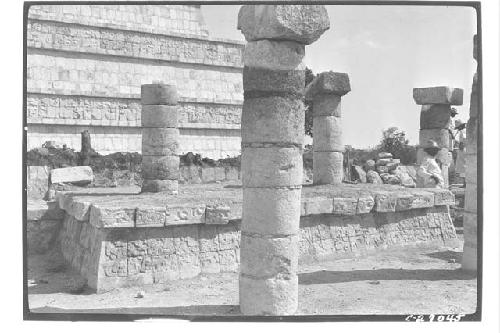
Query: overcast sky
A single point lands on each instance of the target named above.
(387, 51)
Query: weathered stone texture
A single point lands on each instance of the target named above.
(160, 141)
(78, 174)
(161, 116)
(329, 83)
(327, 167)
(301, 23)
(37, 181)
(437, 116)
(327, 134)
(273, 55)
(438, 95)
(441, 136)
(160, 167)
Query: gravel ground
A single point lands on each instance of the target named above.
(398, 281)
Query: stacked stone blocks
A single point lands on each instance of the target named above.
(435, 119)
(469, 259)
(326, 91)
(272, 129)
(160, 138)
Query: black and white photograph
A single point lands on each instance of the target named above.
(267, 161)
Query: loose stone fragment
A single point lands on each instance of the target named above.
(300, 23)
(328, 83)
(79, 175)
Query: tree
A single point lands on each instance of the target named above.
(394, 141)
(308, 105)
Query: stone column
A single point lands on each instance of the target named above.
(435, 119)
(469, 258)
(326, 91)
(272, 130)
(160, 138)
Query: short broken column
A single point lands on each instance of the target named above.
(469, 258)
(326, 91)
(272, 130)
(160, 138)
(435, 119)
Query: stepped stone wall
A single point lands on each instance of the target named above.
(86, 64)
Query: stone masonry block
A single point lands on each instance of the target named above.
(301, 23)
(158, 94)
(385, 202)
(442, 197)
(156, 185)
(160, 141)
(160, 167)
(150, 217)
(345, 205)
(268, 296)
(328, 83)
(266, 258)
(436, 116)
(285, 123)
(271, 167)
(159, 116)
(327, 132)
(414, 200)
(317, 205)
(269, 54)
(217, 214)
(111, 217)
(441, 136)
(273, 81)
(438, 95)
(327, 105)
(76, 175)
(327, 167)
(278, 211)
(189, 213)
(365, 204)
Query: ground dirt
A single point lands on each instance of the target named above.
(394, 281)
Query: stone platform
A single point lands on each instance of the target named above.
(118, 237)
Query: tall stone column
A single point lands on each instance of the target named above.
(272, 130)
(326, 91)
(469, 258)
(435, 119)
(160, 138)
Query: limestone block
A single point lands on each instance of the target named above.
(217, 214)
(373, 177)
(382, 169)
(436, 116)
(160, 167)
(273, 119)
(365, 204)
(383, 161)
(441, 136)
(264, 258)
(150, 217)
(278, 211)
(415, 200)
(301, 23)
(37, 181)
(386, 155)
(328, 83)
(80, 175)
(327, 167)
(155, 185)
(271, 167)
(385, 202)
(41, 236)
(317, 205)
(442, 197)
(471, 168)
(190, 213)
(438, 95)
(158, 94)
(111, 217)
(273, 55)
(327, 105)
(327, 134)
(268, 296)
(345, 205)
(273, 81)
(160, 141)
(159, 116)
(369, 165)
(471, 197)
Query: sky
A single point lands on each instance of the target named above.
(387, 51)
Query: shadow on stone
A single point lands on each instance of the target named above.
(327, 277)
(191, 310)
(446, 255)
